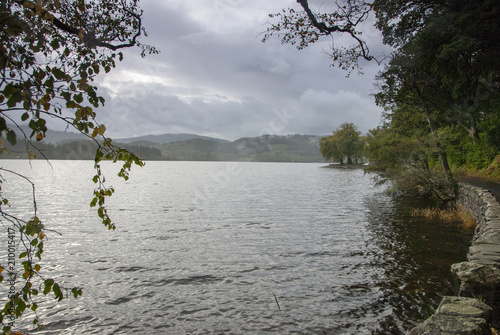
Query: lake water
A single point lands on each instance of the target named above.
(203, 247)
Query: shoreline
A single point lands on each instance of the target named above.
(477, 306)
(345, 166)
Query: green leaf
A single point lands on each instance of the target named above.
(54, 44)
(9, 90)
(27, 104)
(14, 99)
(66, 95)
(78, 98)
(40, 75)
(48, 286)
(20, 305)
(71, 104)
(58, 73)
(76, 292)
(33, 125)
(57, 292)
(12, 137)
(49, 82)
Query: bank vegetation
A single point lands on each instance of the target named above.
(439, 86)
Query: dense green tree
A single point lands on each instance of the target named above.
(441, 70)
(407, 154)
(50, 53)
(408, 85)
(446, 67)
(345, 142)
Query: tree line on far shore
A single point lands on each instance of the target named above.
(439, 87)
(266, 148)
(409, 156)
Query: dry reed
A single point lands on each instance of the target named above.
(460, 213)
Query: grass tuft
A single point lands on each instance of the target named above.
(460, 214)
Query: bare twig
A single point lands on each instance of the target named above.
(279, 308)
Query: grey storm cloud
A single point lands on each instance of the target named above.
(215, 77)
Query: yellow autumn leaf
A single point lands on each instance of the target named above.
(80, 34)
(99, 131)
(102, 129)
(39, 136)
(1, 269)
(49, 17)
(37, 267)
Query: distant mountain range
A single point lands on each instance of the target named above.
(57, 137)
(166, 138)
(266, 148)
(187, 147)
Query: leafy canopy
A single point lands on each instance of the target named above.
(50, 54)
(440, 85)
(345, 142)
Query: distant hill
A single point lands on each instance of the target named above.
(167, 138)
(53, 136)
(267, 148)
(185, 147)
(57, 137)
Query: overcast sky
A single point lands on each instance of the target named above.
(215, 77)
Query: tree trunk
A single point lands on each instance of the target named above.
(441, 153)
(472, 130)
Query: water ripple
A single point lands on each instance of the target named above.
(341, 256)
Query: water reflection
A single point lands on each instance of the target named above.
(415, 254)
(342, 256)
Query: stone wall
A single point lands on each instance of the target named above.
(478, 304)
